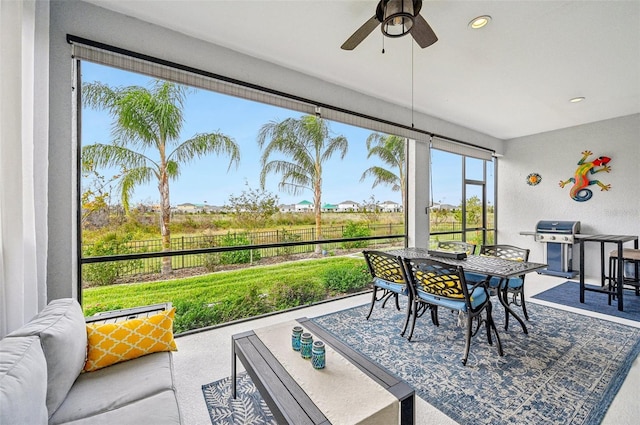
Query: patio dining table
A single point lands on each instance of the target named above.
(488, 266)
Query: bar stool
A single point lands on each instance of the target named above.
(629, 257)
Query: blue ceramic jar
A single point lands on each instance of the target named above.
(295, 337)
(306, 341)
(318, 355)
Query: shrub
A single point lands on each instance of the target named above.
(153, 265)
(238, 257)
(355, 230)
(107, 273)
(253, 208)
(251, 303)
(347, 278)
(293, 294)
(221, 221)
(287, 236)
(194, 315)
(100, 274)
(294, 219)
(140, 226)
(211, 261)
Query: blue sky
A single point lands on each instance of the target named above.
(207, 179)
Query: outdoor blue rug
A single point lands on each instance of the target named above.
(567, 370)
(568, 293)
(248, 408)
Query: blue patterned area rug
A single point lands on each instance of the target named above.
(568, 294)
(567, 370)
(247, 408)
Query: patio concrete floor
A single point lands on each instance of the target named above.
(205, 357)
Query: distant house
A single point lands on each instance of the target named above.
(371, 207)
(348, 206)
(447, 207)
(304, 206)
(390, 206)
(285, 208)
(329, 208)
(187, 207)
(214, 209)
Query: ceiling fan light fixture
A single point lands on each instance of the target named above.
(398, 18)
(479, 22)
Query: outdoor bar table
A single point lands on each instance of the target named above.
(489, 266)
(620, 240)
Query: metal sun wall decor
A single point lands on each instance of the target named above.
(533, 179)
(579, 191)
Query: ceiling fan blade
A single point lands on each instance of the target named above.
(422, 32)
(360, 34)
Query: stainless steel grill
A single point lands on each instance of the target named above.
(556, 231)
(558, 236)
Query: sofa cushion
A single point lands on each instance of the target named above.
(117, 342)
(63, 335)
(118, 386)
(158, 409)
(23, 381)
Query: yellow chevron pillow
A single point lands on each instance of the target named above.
(117, 342)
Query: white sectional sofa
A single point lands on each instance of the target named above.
(41, 380)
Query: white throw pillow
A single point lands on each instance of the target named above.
(23, 382)
(63, 335)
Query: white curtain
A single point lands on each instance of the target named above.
(24, 64)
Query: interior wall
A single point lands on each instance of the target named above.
(98, 24)
(554, 155)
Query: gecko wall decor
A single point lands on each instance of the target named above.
(581, 180)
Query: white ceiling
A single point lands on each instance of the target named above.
(512, 78)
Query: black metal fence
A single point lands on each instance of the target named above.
(129, 260)
(104, 270)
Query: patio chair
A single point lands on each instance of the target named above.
(434, 283)
(457, 246)
(388, 278)
(513, 289)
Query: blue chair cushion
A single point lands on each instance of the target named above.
(514, 282)
(478, 297)
(474, 277)
(398, 288)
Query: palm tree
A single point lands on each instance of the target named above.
(307, 142)
(149, 121)
(391, 150)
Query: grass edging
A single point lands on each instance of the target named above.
(228, 297)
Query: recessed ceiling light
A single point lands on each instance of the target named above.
(576, 99)
(479, 22)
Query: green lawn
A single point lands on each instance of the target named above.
(223, 296)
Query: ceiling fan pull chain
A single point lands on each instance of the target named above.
(412, 85)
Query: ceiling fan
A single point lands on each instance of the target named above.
(396, 19)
